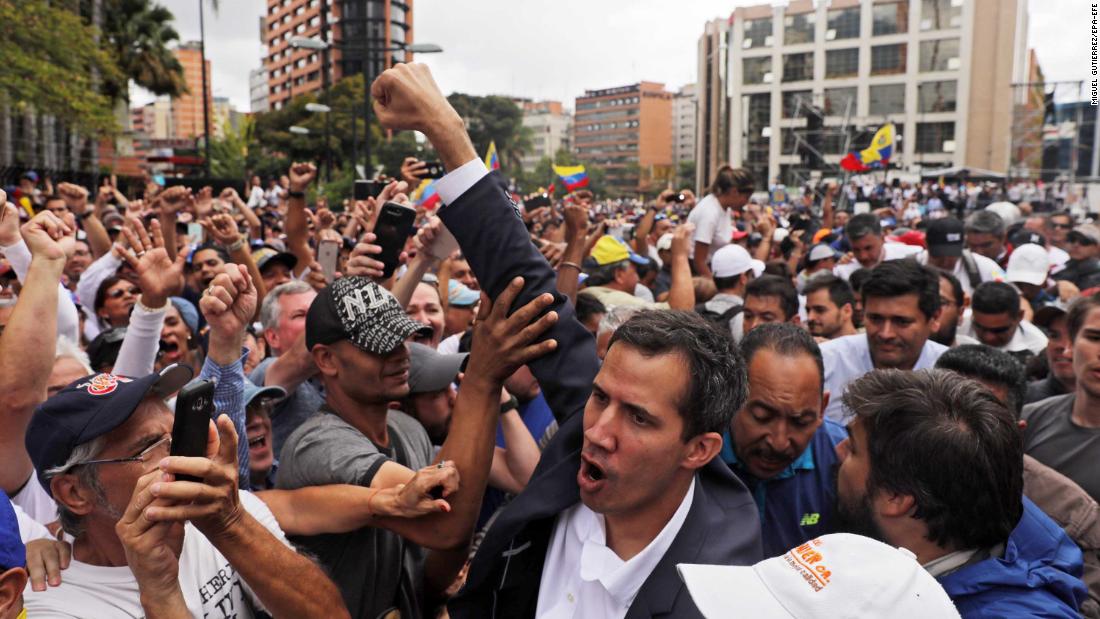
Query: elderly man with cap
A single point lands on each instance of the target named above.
(826, 577)
(263, 463)
(733, 270)
(945, 239)
(1028, 270)
(1061, 379)
(821, 259)
(1083, 267)
(612, 270)
(356, 332)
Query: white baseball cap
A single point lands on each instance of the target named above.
(821, 251)
(730, 260)
(1029, 264)
(840, 575)
(758, 267)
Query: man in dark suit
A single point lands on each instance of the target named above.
(631, 486)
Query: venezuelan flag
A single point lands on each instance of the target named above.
(574, 176)
(492, 161)
(426, 194)
(875, 156)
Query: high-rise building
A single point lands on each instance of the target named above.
(940, 70)
(257, 90)
(551, 128)
(627, 131)
(683, 125)
(354, 27)
(187, 109)
(153, 120)
(712, 120)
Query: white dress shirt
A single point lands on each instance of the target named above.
(890, 251)
(458, 181)
(582, 577)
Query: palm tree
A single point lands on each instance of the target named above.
(138, 33)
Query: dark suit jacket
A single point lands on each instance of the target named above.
(722, 526)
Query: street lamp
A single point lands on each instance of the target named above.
(299, 130)
(321, 45)
(318, 108)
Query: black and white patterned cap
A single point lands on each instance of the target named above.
(360, 311)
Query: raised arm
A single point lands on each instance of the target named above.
(489, 229)
(297, 227)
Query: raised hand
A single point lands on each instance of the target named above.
(406, 97)
(415, 498)
(361, 262)
(9, 221)
(43, 235)
(174, 199)
(576, 220)
(76, 197)
(301, 175)
(222, 228)
(502, 343)
(159, 277)
(681, 240)
(411, 168)
(147, 543)
(229, 303)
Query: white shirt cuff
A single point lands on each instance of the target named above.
(457, 182)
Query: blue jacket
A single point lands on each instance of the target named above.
(1039, 575)
(796, 505)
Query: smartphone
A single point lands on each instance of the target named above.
(194, 410)
(433, 169)
(679, 197)
(195, 231)
(538, 201)
(394, 227)
(327, 254)
(368, 189)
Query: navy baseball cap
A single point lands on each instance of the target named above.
(89, 408)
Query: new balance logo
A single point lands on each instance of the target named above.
(808, 520)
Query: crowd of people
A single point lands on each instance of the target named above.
(872, 399)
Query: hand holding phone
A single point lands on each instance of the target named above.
(394, 227)
(327, 254)
(194, 410)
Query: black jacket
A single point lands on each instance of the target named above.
(722, 526)
(1083, 273)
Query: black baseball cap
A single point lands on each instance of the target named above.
(360, 311)
(89, 408)
(1023, 236)
(945, 237)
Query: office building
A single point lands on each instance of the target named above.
(551, 129)
(627, 131)
(187, 109)
(354, 27)
(683, 125)
(940, 70)
(257, 90)
(712, 99)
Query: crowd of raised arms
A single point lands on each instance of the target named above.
(862, 399)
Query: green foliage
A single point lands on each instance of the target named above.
(229, 155)
(685, 175)
(47, 58)
(137, 33)
(495, 119)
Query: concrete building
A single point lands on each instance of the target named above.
(940, 70)
(257, 90)
(627, 131)
(153, 120)
(551, 130)
(683, 125)
(351, 23)
(712, 97)
(187, 110)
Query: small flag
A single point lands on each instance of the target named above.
(574, 177)
(491, 160)
(875, 156)
(426, 194)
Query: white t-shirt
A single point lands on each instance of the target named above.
(34, 500)
(211, 587)
(989, 270)
(712, 225)
(29, 529)
(890, 251)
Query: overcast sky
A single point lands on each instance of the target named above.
(556, 50)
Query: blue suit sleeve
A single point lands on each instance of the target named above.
(229, 399)
(495, 241)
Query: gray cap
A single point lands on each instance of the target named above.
(430, 370)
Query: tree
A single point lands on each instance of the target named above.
(229, 155)
(495, 119)
(137, 33)
(685, 174)
(48, 61)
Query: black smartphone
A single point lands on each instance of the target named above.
(679, 197)
(537, 201)
(194, 410)
(394, 227)
(368, 189)
(432, 169)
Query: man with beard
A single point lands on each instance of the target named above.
(901, 310)
(934, 464)
(630, 486)
(953, 304)
(830, 304)
(779, 443)
(1059, 353)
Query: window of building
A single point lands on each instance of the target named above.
(842, 24)
(798, 29)
(787, 141)
(940, 14)
(397, 13)
(838, 99)
(757, 70)
(936, 96)
(833, 142)
(758, 33)
(890, 18)
(798, 67)
(935, 137)
(791, 99)
(758, 118)
(939, 55)
(886, 99)
(842, 62)
(888, 59)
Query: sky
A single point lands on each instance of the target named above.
(557, 50)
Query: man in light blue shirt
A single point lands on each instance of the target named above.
(901, 309)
